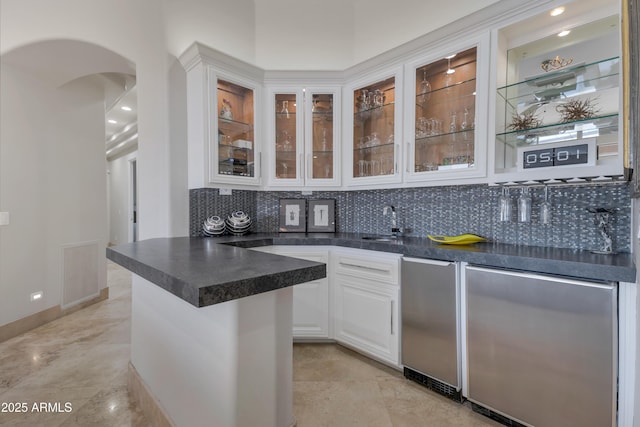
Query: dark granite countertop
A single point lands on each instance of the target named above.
(563, 262)
(203, 272)
(206, 271)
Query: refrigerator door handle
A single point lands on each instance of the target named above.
(428, 261)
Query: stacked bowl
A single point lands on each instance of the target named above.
(238, 223)
(213, 226)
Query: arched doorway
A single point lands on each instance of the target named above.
(53, 177)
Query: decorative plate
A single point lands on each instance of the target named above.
(462, 239)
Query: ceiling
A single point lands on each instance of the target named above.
(121, 124)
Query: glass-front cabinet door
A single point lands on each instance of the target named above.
(287, 148)
(303, 137)
(235, 145)
(322, 139)
(374, 131)
(557, 100)
(443, 109)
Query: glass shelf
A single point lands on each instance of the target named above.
(587, 128)
(373, 147)
(565, 83)
(372, 113)
(285, 116)
(449, 94)
(459, 136)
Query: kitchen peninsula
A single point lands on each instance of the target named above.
(211, 331)
(211, 325)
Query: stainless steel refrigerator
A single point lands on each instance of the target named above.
(541, 350)
(430, 326)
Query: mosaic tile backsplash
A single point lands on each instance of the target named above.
(444, 210)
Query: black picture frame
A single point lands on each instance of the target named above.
(293, 216)
(322, 216)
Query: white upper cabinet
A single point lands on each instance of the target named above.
(303, 135)
(446, 95)
(558, 96)
(373, 129)
(223, 96)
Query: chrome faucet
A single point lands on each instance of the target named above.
(395, 230)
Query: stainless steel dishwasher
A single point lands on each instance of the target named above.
(430, 328)
(541, 350)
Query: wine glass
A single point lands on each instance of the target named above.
(324, 139)
(524, 205)
(545, 208)
(504, 204)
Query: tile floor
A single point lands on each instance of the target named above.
(81, 361)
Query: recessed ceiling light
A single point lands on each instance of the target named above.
(557, 11)
(125, 108)
(563, 33)
(450, 56)
(113, 122)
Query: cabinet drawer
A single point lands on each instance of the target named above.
(368, 265)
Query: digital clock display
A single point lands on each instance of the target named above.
(555, 156)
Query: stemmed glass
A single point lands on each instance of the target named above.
(324, 139)
(287, 141)
(504, 204)
(545, 208)
(524, 205)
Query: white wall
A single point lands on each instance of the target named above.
(227, 26)
(23, 193)
(52, 183)
(320, 32)
(380, 26)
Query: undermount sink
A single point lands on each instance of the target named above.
(380, 238)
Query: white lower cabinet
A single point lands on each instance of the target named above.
(366, 317)
(357, 304)
(365, 304)
(310, 299)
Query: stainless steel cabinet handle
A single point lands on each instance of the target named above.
(427, 261)
(392, 333)
(347, 264)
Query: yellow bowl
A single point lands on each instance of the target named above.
(462, 239)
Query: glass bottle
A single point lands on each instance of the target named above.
(425, 89)
(285, 109)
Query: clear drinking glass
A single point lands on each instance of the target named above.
(504, 204)
(524, 205)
